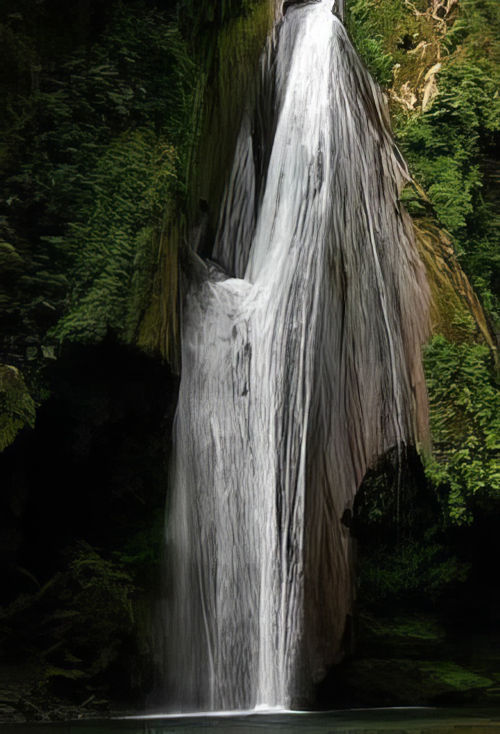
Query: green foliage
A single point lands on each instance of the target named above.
(451, 145)
(117, 103)
(17, 408)
(133, 180)
(475, 31)
(77, 622)
(451, 142)
(385, 32)
(365, 25)
(103, 112)
(444, 146)
(465, 425)
(412, 571)
(90, 97)
(99, 593)
(404, 556)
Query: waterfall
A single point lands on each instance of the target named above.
(301, 364)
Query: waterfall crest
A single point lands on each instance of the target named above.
(301, 364)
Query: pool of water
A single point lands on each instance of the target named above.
(371, 721)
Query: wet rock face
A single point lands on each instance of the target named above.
(290, 3)
(414, 659)
(299, 368)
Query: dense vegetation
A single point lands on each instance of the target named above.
(465, 425)
(116, 128)
(426, 534)
(95, 137)
(95, 140)
(439, 63)
(104, 105)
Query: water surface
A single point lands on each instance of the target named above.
(373, 721)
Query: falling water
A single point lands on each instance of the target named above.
(300, 365)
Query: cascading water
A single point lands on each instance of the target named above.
(300, 365)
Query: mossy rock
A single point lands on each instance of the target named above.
(454, 676)
(402, 682)
(452, 296)
(411, 636)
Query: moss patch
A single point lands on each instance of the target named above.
(451, 675)
(414, 629)
(402, 682)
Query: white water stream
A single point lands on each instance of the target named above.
(300, 365)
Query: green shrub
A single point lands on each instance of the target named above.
(465, 425)
(365, 26)
(413, 570)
